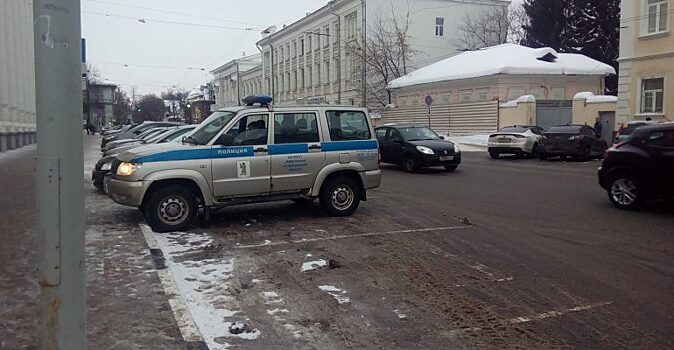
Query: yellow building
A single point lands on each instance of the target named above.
(646, 75)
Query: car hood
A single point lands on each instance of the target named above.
(156, 148)
(434, 144)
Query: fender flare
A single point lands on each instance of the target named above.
(182, 174)
(333, 168)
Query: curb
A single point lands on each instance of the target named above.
(188, 328)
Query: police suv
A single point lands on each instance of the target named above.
(251, 154)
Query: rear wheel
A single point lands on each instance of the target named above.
(542, 156)
(587, 154)
(451, 168)
(340, 196)
(534, 151)
(172, 208)
(409, 165)
(494, 154)
(624, 192)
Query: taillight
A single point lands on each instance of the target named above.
(576, 137)
(492, 136)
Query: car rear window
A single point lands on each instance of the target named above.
(514, 129)
(567, 129)
(348, 125)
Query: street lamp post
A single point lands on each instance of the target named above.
(363, 72)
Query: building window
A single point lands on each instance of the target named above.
(439, 26)
(301, 47)
(301, 78)
(557, 93)
(327, 35)
(652, 93)
(465, 96)
(294, 49)
(327, 72)
(515, 93)
(482, 94)
(538, 93)
(310, 76)
(336, 31)
(657, 12)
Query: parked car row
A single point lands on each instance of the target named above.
(246, 154)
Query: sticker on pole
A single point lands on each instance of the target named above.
(243, 168)
(428, 100)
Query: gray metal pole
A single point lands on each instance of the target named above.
(238, 83)
(59, 175)
(339, 53)
(363, 72)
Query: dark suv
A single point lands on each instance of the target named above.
(642, 166)
(578, 141)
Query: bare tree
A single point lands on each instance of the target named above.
(388, 55)
(492, 27)
(93, 74)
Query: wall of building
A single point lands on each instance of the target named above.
(499, 87)
(17, 74)
(522, 113)
(644, 56)
(587, 113)
(326, 71)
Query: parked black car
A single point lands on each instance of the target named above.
(578, 141)
(640, 167)
(134, 132)
(414, 147)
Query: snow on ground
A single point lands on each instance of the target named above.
(312, 265)
(10, 155)
(336, 293)
(470, 143)
(204, 287)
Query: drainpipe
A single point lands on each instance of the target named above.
(339, 52)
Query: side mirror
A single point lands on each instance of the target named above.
(398, 141)
(442, 137)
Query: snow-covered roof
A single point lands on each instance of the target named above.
(511, 59)
(592, 98)
(521, 99)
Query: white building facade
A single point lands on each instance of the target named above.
(17, 74)
(236, 79)
(309, 61)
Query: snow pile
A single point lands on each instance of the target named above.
(336, 293)
(592, 98)
(511, 59)
(521, 99)
(466, 141)
(204, 287)
(312, 265)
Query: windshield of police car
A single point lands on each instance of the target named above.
(210, 127)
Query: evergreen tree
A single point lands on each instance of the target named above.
(589, 27)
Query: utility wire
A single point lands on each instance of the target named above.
(148, 20)
(173, 12)
(150, 66)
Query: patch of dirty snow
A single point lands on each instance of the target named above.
(276, 311)
(336, 293)
(312, 265)
(204, 286)
(271, 298)
(401, 315)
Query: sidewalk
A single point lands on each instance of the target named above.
(126, 304)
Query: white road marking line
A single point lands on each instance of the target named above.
(481, 268)
(537, 317)
(306, 240)
(555, 313)
(188, 328)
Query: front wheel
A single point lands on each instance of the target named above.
(542, 156)
(624, 192)
(534, 151)
(173, 208)
(340, 196)
(409, 165)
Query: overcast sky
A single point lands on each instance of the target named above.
(161, 55)
(121, 38)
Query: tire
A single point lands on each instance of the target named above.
(340, 196)
(451, 168)
(534, 151)
(409, 165)
(494, 155)
(173, 208)
(625, 192)
(542, 156)
(587, 155)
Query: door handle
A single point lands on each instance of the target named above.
(260, 149)
(315, 147)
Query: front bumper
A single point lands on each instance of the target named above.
(562, 151)
(371, 179)
(428, 160)
(128, 193)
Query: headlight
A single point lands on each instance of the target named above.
(126, 169)
(425, 150)
(106, 166)
(457, 149)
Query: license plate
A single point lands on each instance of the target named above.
(443, 158)
(504, 140)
